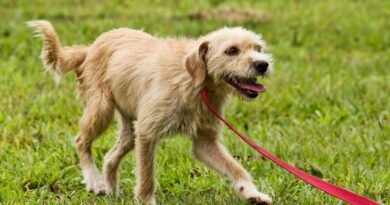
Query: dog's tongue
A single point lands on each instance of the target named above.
(254, 87)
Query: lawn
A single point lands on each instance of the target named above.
(326, 109)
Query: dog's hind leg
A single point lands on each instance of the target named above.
(125, 143)
(97, 116)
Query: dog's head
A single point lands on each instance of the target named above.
(232, 58)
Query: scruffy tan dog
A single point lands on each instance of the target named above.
(154, 85)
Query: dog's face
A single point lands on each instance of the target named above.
(233, 58)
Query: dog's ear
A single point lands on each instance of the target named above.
(196, 64)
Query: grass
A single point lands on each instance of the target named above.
(326, 110)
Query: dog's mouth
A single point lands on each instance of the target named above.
(246, 86)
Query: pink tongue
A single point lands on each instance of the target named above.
(258, 88)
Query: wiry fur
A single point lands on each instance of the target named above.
(55, 58)
(154, 84)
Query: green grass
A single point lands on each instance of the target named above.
(326, 109)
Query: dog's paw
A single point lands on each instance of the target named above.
(248, 192)
(150, 201)
(111, 189)
(144, 195)
(96, 186)
(260, 199)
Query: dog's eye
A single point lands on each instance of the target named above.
(232, 51)
(258, 48)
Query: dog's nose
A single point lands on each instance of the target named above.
(260, 66)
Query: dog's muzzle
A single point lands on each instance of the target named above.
(260, 66)
(246, 86)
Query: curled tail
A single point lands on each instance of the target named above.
(57, 59)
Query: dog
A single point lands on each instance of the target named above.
(154, 84)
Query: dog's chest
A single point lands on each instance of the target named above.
(185, 120)
(190, 119)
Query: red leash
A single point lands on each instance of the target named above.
(329, 188)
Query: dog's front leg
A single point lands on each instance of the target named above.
(146, 184)
(208, 149)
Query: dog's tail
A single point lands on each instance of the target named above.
(57, 59)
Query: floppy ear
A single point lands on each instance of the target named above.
(196, 64)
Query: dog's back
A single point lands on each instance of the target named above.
(117, 63)
(154, 84)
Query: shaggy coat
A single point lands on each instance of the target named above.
(154, 84)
